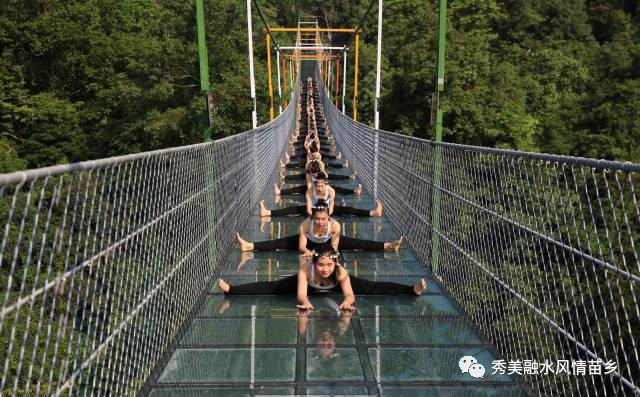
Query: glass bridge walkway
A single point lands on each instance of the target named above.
(392, 346)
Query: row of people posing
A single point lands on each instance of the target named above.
(319, 237)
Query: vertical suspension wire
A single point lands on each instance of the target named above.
(376, 122)
(254, 113)
(337, 80)
(284, 82)
(344, 78)
(279, 86)
(355, 78)
(291, 77)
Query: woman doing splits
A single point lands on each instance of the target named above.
(317, 232)
(323, 274)
(320, 190)
(303, 189)
(311, 168)
(314, 168)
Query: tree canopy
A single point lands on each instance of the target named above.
(85, 79)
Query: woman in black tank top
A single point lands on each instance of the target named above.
(325, 267)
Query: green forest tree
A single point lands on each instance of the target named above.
(90, 79)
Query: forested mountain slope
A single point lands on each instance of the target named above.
(89, 79)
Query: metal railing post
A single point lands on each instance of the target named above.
(376, 123)
(437, 155)
(355, 82)
(204, 67)
(254, 113)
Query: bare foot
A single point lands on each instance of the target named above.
(244, 244)
(358, 190)
(263, 210)
(339, 156)
(223, 307)
(353, 176)
(419, 287)
(394, 245)
(263, 221)
(223, 286)
(345, 164)
(244, 258)
(376, 212)
(282, 165)
(286, 156)
(276, 189)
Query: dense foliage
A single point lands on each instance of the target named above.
(89, 79)
(552, 76)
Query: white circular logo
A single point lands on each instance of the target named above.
(465, 362)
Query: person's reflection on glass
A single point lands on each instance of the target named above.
(224, 305)
(243, 259)
(324, 327)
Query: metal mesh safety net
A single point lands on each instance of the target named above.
(540, 250)
(102, 261)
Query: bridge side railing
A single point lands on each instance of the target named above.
(102, 261)
(541, 251)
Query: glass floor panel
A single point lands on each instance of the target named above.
(326, 364)
(419, 331)
(337, 391)
(241, 331)
(229, 365)
(455, 391)
(222, 392)
(431, 364)
(393, 345)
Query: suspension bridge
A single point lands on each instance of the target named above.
(109, 270)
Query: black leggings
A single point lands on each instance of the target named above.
(337, 210)
(300, 189)
(289, 286)
(303, 155)
(302, 164)
(303, 174)
(324, 151)
(291, 243)
(300, 140)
